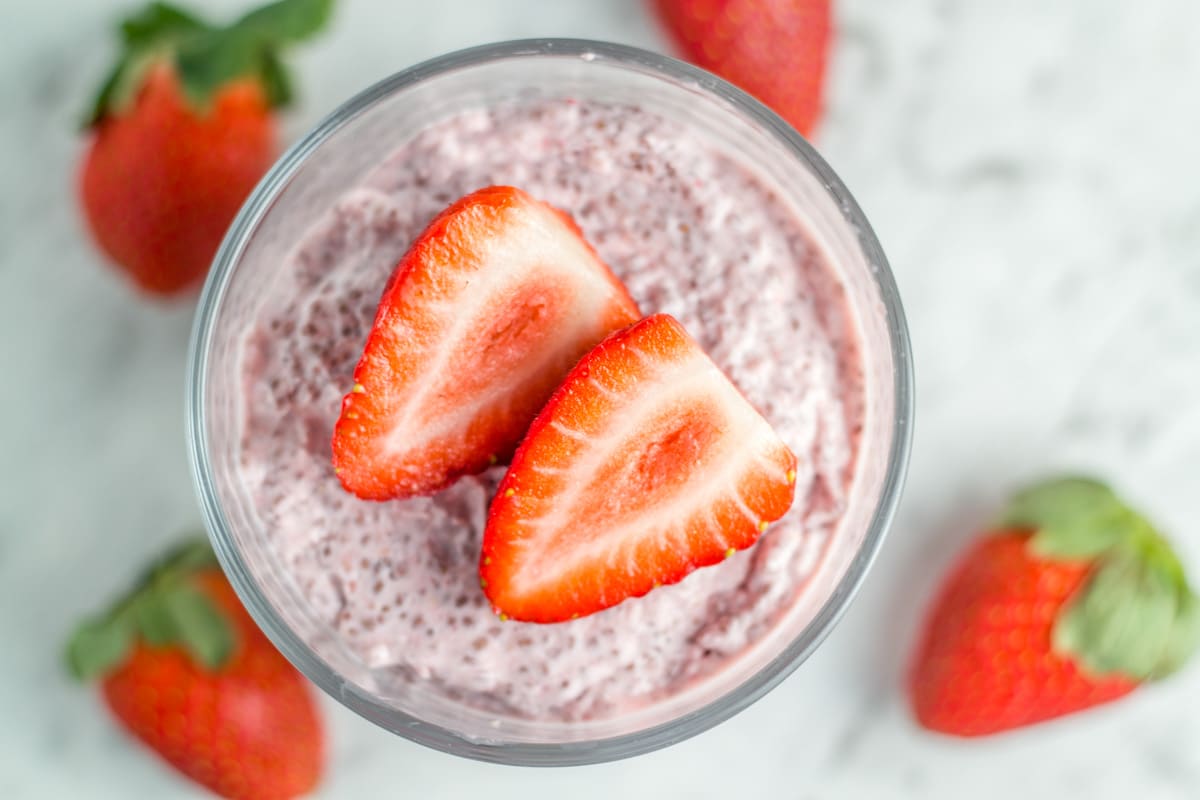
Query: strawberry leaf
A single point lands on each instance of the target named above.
(98, 645)
(1185, 634)
(250, 48)
(199, 627)
(206, 63)
(193, 554)
(1074, 518)
(1130, 619)
(276, 80)
(172, 612)
(111, 94)
(1122, 623)
(118, 90)
(288, 21)
(154, 620)
(178, 615)
(156, 22)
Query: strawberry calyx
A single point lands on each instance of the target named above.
(164, 609)
(1136, 615)
(206, 57)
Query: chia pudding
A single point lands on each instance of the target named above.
(693, 233)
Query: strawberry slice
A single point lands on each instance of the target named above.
(646, 464)
(482, 318)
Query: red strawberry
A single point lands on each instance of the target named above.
(646, 464)
(186, 670)
(1075, 601)
(482, 318)
(773, 49)
(182, 131)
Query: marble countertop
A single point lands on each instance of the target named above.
(1032, 171)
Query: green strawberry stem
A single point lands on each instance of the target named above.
(163, 610)
(1136, 615)
(206, 57)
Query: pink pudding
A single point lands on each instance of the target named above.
(693, 233)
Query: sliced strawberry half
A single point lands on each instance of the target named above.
(646, 464)
(482, 318)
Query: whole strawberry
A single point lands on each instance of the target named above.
(1073, 600)
(774, 49)
(182, 130)
(185, 669)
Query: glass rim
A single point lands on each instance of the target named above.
(567, 753)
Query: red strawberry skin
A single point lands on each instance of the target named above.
(645, 465)
(162, 181)
(985, 663)
(250, 730)
(774, 49)
(493, 304)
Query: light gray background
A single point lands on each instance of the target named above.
(1033, 172)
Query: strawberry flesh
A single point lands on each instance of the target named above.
(489, 309)
(646, 464)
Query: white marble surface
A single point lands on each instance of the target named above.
(1032, 170)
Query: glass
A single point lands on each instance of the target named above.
(330, 160)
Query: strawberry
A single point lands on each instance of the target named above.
(185, 669)
(646, 464)
(773, 49)
(181, 131)
(1074, 600)
(481, 319)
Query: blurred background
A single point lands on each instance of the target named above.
(1032, 171)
